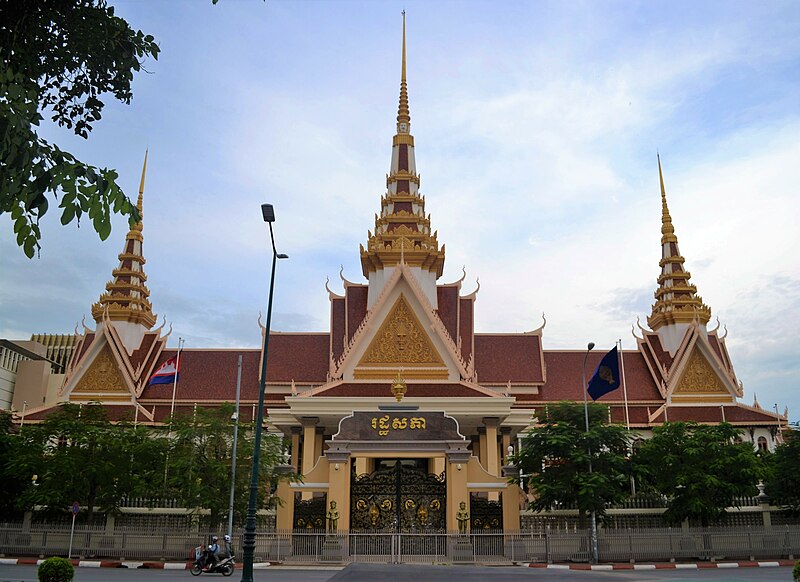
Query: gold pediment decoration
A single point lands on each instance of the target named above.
(103, 375)
(401, 340)
(699, 377)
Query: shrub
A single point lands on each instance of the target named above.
(56, 570)
(796, 571)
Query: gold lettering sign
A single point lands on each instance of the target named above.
(384, 424)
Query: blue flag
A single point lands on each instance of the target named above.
(606, 377)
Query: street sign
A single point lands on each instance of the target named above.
(75, 508)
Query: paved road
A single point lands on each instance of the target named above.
(389, 573)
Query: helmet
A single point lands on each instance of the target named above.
(227, 538)
(214, 538)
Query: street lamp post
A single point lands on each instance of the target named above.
(593, 526)
(249, 544)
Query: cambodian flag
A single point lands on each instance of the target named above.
(166, 374)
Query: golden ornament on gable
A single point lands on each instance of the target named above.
(103, 375)
(699, 377)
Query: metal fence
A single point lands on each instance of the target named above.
(485, 546)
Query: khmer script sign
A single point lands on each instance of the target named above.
(400, 425)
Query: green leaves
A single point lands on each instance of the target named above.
(556, 455)
(701, 469)
(61, 57)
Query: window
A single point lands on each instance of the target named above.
(762, 444)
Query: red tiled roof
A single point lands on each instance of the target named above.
(733, 414)
(662, 356)
(211, 374)
(565, 370)
(337, 327)
(138, 355)
(447, 298)
(465, 316)
(500, 358)
(373, 390)
(356, 307)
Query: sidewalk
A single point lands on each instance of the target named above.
(262, 565)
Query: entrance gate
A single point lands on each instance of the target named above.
(401, 497)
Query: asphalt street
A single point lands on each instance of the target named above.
(388, 572)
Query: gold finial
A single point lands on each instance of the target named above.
(399, 387)
(403, 116)
(667, 229)
(138, 225)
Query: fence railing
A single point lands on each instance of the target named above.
(484, 546)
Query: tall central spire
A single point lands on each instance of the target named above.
(402, 230)
(403, 116)
(126, 296)
(676, 299)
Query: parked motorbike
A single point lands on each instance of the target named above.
(224, 567)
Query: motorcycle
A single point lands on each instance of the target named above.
(224, 567)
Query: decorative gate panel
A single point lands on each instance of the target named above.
(399, 498)
(485, 514)
(310, 514)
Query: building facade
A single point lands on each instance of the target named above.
(402, 414)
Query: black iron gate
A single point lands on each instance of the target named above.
(401, 497)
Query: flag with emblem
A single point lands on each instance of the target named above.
(606, 377)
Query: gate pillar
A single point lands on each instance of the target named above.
(339, 484)
(285, 511)
(511, 496)
(456, 485)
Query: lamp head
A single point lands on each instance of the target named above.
(268, 212)
(282, 256)
(590, 347)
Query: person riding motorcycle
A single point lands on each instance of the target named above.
(227, 551)
(210, 559)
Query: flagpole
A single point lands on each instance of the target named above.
(172, 407)
(175, 381)
(624, 385)
(589, 348)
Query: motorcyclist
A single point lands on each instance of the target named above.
(227, 550)
(211, 554)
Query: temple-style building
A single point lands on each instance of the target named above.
(402, 411)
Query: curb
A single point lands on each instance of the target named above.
(663, 566)
(119, 564)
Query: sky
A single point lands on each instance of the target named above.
(536, 127)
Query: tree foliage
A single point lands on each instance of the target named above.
(783, 473)
(78, 454)
(701, 469)
(200, 458)
(60, 58)
(556, 456)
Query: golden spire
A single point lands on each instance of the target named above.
(402, 229)
(126, 295)
(403, 116)
(667, 230)
(138, 225)
(676, 299)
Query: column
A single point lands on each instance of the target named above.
(492, 461)
(364, 465)
(295, 459)
(505, 435)
(319, 443)
(309, 441)
(482, 446)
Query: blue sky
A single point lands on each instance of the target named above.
(536, 128)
